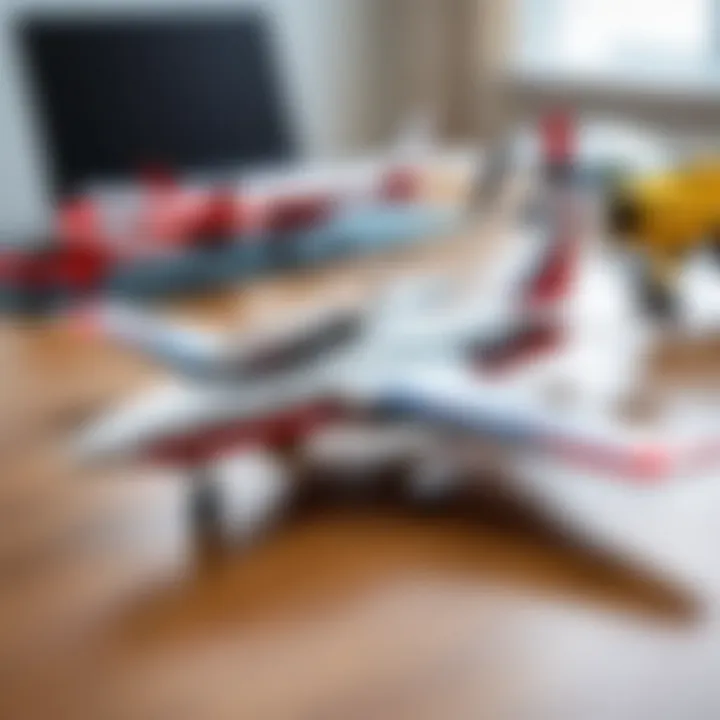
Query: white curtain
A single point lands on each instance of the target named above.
(448, 58)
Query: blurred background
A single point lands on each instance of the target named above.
(353, 70)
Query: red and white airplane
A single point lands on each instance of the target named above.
(163, 212)
(489, 366)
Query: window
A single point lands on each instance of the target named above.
(658, 38)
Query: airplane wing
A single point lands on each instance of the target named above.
(190, 352)
(201, 355)
(587, 431)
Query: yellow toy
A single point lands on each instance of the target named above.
(666, 215)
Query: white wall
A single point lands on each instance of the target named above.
(326, 49)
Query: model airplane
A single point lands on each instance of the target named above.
(267, 386)
(476, 367)
(162, 210)
(164, 235)
(165, 213)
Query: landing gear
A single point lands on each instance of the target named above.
(434, 478)
(657, 300)
(234, 501)
(654, 280)
(205, 507)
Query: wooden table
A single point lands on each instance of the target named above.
(371, 612)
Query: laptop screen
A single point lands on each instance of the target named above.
(193, 93)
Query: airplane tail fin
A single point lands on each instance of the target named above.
(558, 145)
(554, 270)
(538, 327)
(552, 277)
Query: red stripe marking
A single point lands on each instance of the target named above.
(524, 346)
(298, 213)
(84, 267)
(556, 274)
(558, 137)
(283, 428)
(78, 222)
(218, 217)
(400, 185)
(30, 270)
(648, 464)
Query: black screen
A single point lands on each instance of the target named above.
(187, 94)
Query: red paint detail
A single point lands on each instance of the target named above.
(251, 214)
(400, 185)
(217, 218)
(521, 347)
(9, 262)
(557, 130)
(158, 178)
(275, 430)
(78, 223)
(553, 279)
(30, 270)
(648, 464)
(291, 214)
(652, 463)
(167, 211)
(83, 268)
(75, 267)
